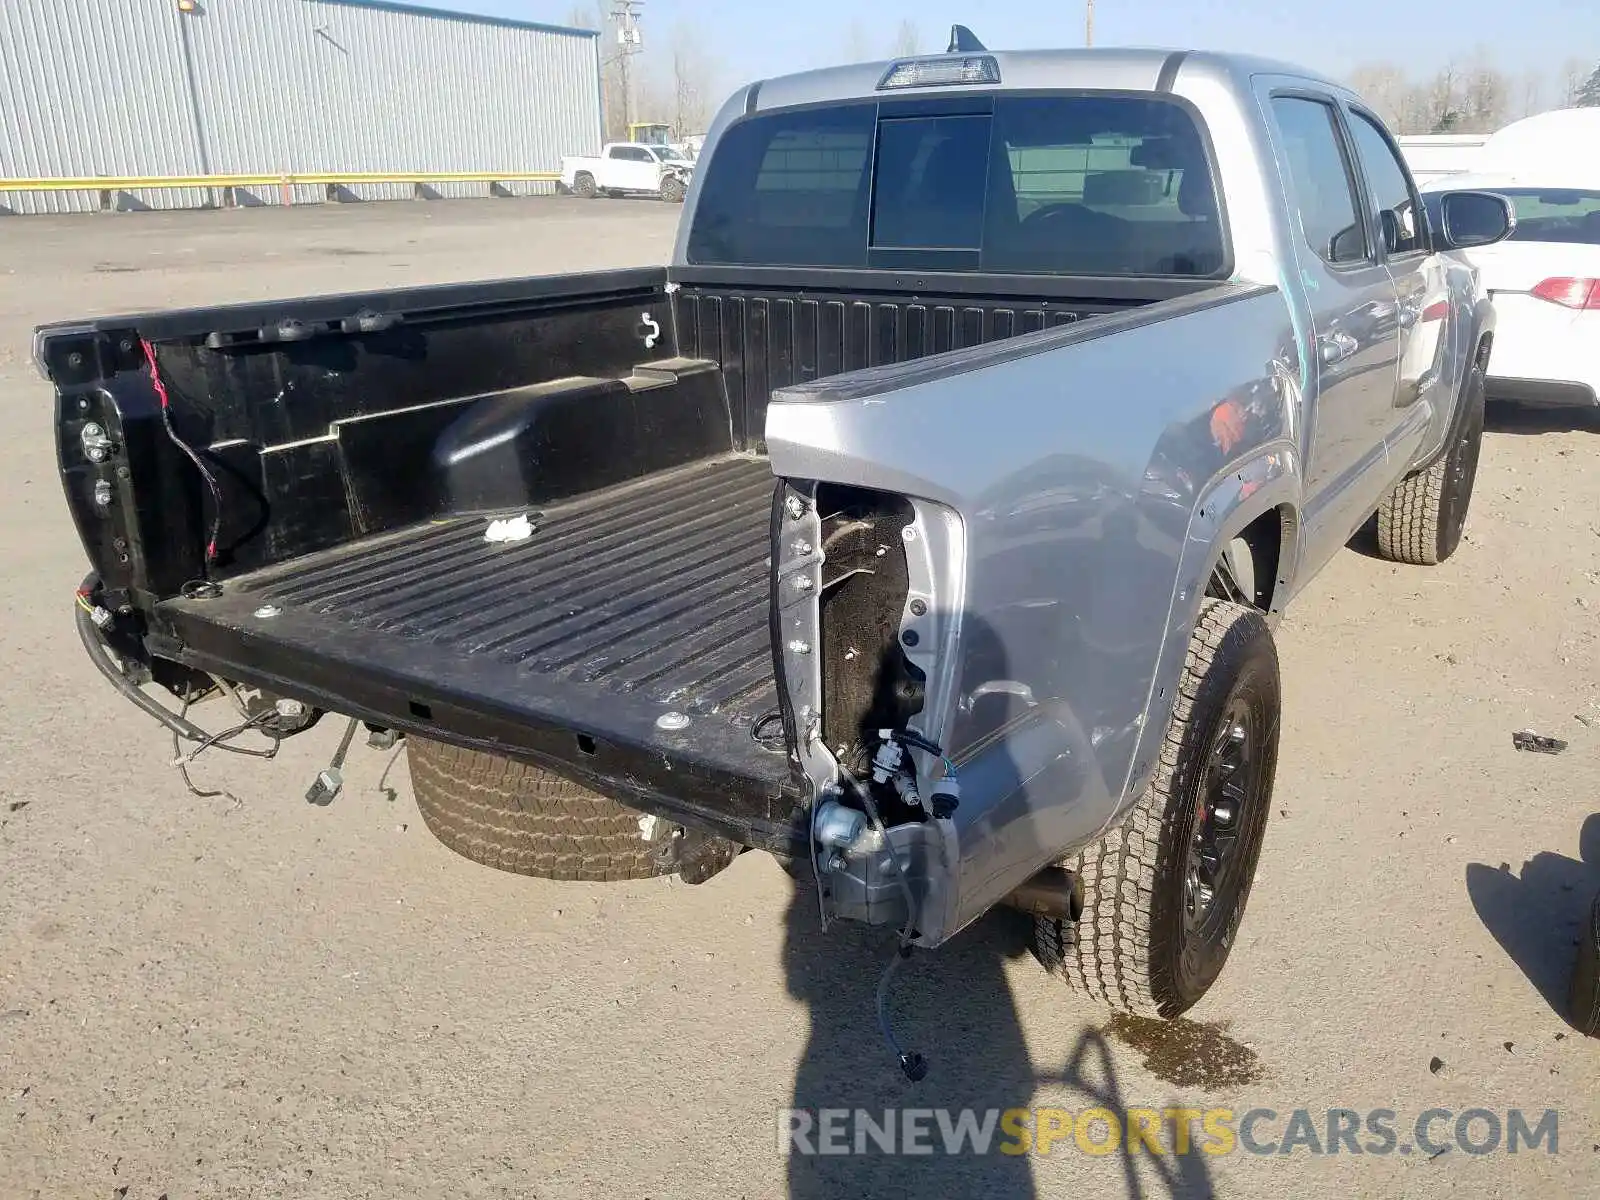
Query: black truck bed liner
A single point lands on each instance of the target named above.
(623, 605)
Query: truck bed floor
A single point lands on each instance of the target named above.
(622, 606)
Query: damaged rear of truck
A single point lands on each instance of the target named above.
(921, 524)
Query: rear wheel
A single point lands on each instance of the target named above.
(1585, 1000)
(1422, 520)
(583, 185)
(1164, 892)
(521, 818)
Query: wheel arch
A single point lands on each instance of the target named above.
(1269, 543)
(1257, 499)
(1475, 355)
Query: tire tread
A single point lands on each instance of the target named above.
(1420, 522)
(1108, 954)
(1408, 519)
(517, 817)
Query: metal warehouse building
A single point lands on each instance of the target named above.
(182, 88)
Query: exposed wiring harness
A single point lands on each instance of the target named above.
(219, 741)
(100, 656)
(329, 782)
(178, 723)
(891, 766)
(910, 737)
(193, 455)
(914, 1065)
(768, 731)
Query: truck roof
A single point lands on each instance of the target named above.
(1139, 70)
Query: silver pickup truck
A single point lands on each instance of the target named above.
(924, 523)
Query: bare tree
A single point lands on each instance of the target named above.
(907, 40)
(1384, 86)
(857, 47)
(1574, 74)
(1436, 106)
(694, 82)
(1485, 96)
(1532, 95)
(1442, 111)
(1475, 97)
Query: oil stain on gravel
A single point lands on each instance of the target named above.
(1188, 1053)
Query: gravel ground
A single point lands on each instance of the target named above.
(261, 998)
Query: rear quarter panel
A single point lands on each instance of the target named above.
(1093, 473)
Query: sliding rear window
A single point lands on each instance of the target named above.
(1060, 185)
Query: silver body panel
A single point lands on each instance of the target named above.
(1073, 493)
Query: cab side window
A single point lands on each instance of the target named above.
(1391, 187)
(1323, 187)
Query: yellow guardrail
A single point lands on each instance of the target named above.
(108, 184)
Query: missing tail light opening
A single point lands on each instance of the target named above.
(867, 682)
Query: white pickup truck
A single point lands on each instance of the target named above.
(626, 168)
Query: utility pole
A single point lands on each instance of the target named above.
(1088, 22)
(626, 16)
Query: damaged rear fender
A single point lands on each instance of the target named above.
(1071, 492)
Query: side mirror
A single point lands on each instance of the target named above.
(1463, 220)
(1348, 245)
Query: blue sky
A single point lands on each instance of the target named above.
(751, 38)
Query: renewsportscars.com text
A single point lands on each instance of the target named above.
(1161, 1131)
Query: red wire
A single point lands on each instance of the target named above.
(155, 373)
(166, 419)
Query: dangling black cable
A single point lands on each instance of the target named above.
(193, 455)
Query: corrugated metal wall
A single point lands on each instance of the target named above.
(135, 87)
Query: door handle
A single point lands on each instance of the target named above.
(1336, 347)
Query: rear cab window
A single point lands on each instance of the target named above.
(1091, 184)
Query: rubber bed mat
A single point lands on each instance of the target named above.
(619, 608)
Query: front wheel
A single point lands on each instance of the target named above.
(1164, 891)
(673, 190)
(1422, 520)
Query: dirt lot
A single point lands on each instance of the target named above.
(203, 998)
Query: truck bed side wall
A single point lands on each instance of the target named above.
(340, 435)
(774, 334)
